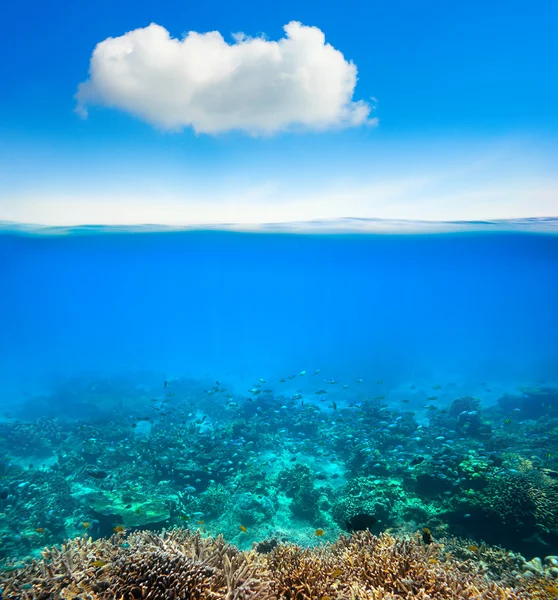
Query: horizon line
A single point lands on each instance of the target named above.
(315, 226)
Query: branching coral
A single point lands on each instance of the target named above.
(180, 564)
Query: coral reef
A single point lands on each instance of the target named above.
(275, 466)
(182, 564)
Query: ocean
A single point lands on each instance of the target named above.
(276, 386)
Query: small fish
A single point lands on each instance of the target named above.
(86, 524)
(336, 572)
(201, 522)
(282, 380)
(331, 381)
(548, 455)
(261, 380)
(473, 548)
(291, 377)
(379, 382)
(296, 397)
(430, 398)
(405, 401)
(320, 392)
(345, 387)
(166, 382)
(255, 391)
(359, 381)
(184, 517)
(507, 421)
(316, 372)
(302, 373)
(427, 536)
(334, 406)
(100, 563)
(97, 473)
(319, 532)
(436, 387)
(243, 528)
(433, 561)
(40, 529)
(119, 529)
(268, 391)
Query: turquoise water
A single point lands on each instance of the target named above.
(162, 379)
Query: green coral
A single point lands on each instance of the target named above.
(474, 467)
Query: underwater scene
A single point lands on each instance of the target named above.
(212, 414)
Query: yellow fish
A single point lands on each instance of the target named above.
(320, 532)
(100, 563)
(336, 572)
(242, 528)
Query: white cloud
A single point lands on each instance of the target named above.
(254, 85)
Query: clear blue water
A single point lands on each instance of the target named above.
(150, 378)
(453, 307)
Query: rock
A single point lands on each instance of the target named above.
(528, 575)
(535, 565)
(551, 560)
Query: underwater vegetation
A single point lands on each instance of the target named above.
(286, 479)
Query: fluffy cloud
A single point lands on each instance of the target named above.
(201, 81)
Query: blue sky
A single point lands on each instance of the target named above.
(465, 95)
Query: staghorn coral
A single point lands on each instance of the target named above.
(180, 564)
(176, 564)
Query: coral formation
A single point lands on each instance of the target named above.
(275, 466)
(182, 564)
